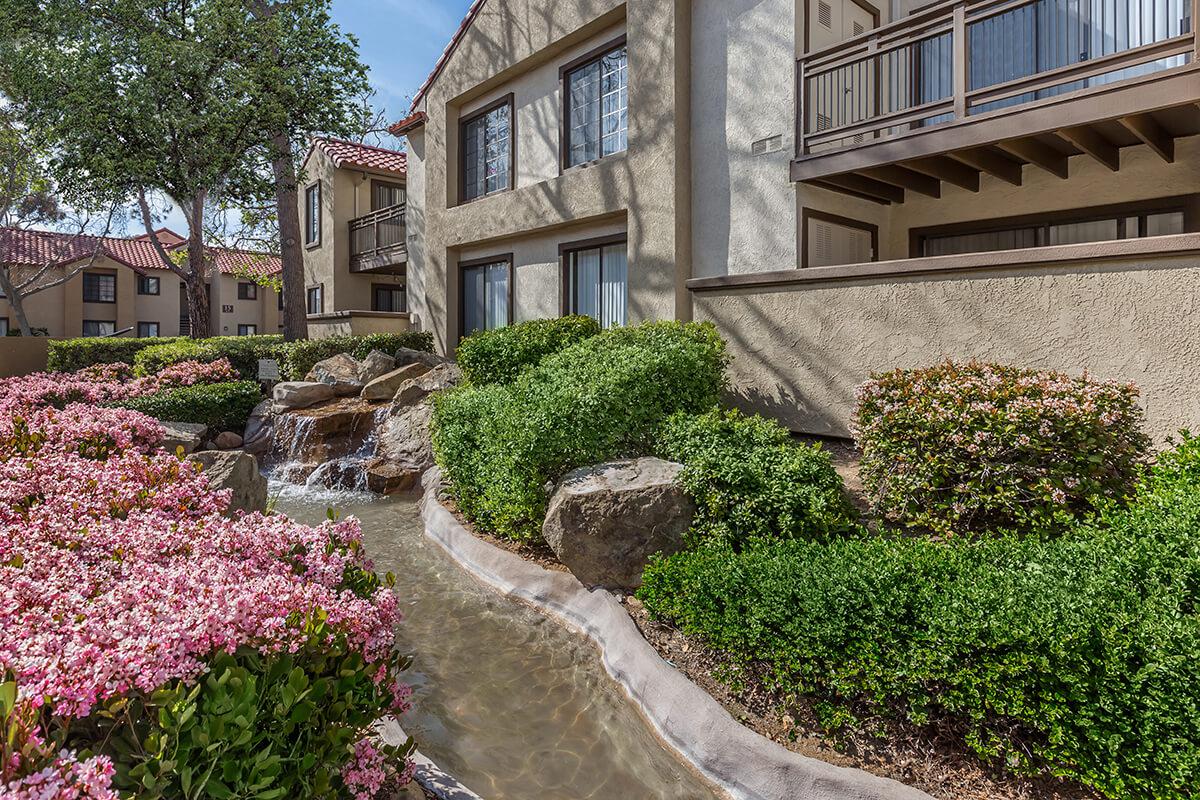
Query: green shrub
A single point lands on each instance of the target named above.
(602, 398)
(1073, 656)
(966, 448)
(70, 355)
(221, 406)
(749, 479)
(298, 358)
(498, 356)
(243, 352)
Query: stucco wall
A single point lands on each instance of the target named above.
(21, 355)
(799, 351)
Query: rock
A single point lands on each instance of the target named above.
(257, 437)
(404, 438)
(375, 364)
(227, 440)
(384, 477)
(385, 386)
(300, 394)
(407, 355)
(415, 390)
(188, 435)
(238, 471)
(604, 522)
(339, 371)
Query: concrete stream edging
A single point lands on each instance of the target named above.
(744, 764)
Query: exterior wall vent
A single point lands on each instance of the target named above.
(825, 14)
(772, 144)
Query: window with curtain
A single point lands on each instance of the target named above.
(388, 297)
(147, 284)
(485, 293)
(147, 330)
(247, 291)
(386, 195)
(487, 151)
(96, 327)
(315, 300)
(598, 283)
(3, 326)
(312, 214)
(247, 330)
(597, 108)
(99, 287)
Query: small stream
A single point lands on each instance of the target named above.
(507, 701)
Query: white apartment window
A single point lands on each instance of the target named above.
(99, 287)
(597, 282)
(247, 330)
(597, 107)
(147, 330)
(315, 300)
(98, 327)
(486, 294)
(147, 284)
(487, 152)
(312, 214)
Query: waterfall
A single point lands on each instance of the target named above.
(331, 446)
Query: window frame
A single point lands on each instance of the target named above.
(246, 290)
(143, 282)
(312, 221)
(594, 55)
(103, 274)
(507, 100)
(375, 182)
(247, 329)
(320, 288)
(84, 324)
(157, 330)
(463, 266)
(807, 214)
(389, 287)
(1119, 211)
(566, 249)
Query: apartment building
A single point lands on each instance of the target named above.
(841, 186)
(124, 289)
(352, 208)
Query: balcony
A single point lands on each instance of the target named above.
(379, 241)
(966, 87)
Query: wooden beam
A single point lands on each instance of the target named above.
(1146, 128)
(1092, 142)
(991, 162)
(906, 179)
(859, 184)
(948, 170)
(1035, 151)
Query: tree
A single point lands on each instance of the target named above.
(28, 201)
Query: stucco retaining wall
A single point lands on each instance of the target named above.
(21, 355)
(746, 765)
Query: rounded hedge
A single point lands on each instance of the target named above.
(220, 406)
(72, 355)
(500, 355)
(243, 352)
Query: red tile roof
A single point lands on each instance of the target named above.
(409, 123)
(34, 248)
(455, 40)
(355, 154)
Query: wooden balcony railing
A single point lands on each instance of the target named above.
(968, 57)
(378, 239)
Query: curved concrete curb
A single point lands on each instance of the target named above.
(426, 774)
(745, 764)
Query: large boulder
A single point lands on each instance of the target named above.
(237, 471)
(404, 439)
(257, 437)
(291, 395)
(605, 522)
(437, 379)
(406, 355)
(384, 387)
(374, 365)
(339, 371)
(188, 435)
(227, 440)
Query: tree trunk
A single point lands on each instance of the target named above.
(16, 302)
(198, 310)
(295, 313)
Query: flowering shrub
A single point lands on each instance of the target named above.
(142, 631)
(963, 448)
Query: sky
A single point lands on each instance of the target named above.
(400, 41)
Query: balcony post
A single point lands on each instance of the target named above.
(801, 108)
(961, 63)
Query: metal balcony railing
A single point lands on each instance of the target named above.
(378, 239)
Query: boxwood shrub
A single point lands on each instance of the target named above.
(221, 406)
(71, 355)
(967, 448)
(500, 446)
(1074, 655)
(243, 352)
(298, 358)
(749, 479)
(498, 356)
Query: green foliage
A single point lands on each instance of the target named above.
(243, 352)
(498, 356)
(70, 355)
(602, 398)
(1074, 656)
(300, 357)
(961, 449)
(221, 406)
(750, 480)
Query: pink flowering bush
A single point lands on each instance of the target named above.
(144, 634)
(964, 448)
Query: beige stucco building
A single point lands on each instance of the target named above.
(841, 186)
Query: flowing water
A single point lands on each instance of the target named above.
(507, 701)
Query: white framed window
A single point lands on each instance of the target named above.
(596, 281)
(596, 106)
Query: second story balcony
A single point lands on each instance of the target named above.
(966, 87)
(379, 241)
